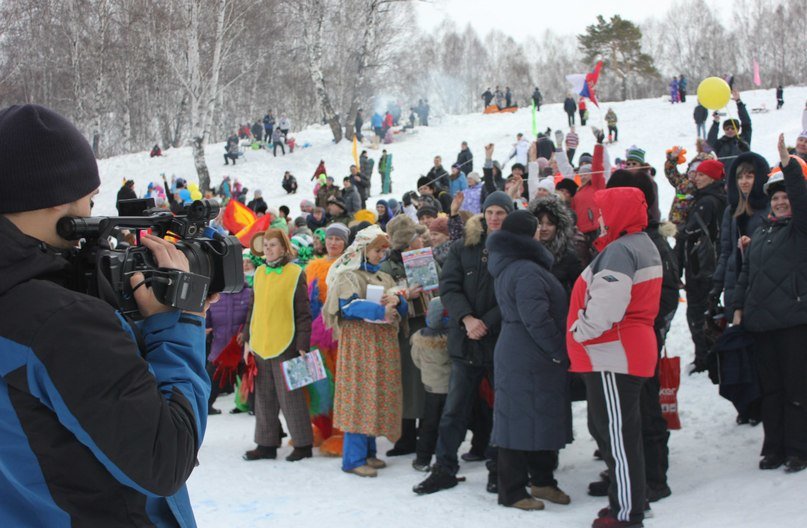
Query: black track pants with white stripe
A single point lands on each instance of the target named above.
(615, 422)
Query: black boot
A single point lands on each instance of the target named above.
(493, 483)
(299, 453)
(771, 462)
(407, 443)
(439, 479)
(795, 464)
(599, 488)
(261, 452)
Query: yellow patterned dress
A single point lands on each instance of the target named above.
(368, 396)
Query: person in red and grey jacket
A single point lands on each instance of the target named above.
(611, 342)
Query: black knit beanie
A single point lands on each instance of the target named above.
(44, 160)
(521, 222)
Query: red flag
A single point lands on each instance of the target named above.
(590, 86)
(246, 234)
(237, 216)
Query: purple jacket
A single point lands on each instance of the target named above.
(226, 317)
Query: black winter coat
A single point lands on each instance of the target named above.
(126, 193)
(465, 159)
(670, 274)
(569, 106)
(466, 288)
(532, 409)
(545, 148)
(772, 287)
(700, 114)
(701, 251)
(730, 262)
(727, 147)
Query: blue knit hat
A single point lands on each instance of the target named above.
(436, 315)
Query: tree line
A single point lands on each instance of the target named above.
(132, 73)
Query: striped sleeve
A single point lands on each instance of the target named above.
(609, 293)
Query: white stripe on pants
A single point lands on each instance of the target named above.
(621, 475)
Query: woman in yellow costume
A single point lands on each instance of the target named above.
(364, 307)
(279, 329)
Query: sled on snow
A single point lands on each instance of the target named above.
(493, 109)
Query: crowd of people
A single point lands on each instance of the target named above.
(557, 283)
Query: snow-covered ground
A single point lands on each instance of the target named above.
(713, 462)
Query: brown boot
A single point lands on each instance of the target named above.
(376, 463)
(363, 471)
(261, 452)
(551, 494)
(528, 504)
(300, 453)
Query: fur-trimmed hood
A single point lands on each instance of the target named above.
(564, 237)
(757, 198)
(475, 230)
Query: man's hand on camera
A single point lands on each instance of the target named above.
(167, 256)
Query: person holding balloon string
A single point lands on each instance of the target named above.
(714, 93)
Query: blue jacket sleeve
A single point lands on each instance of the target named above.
(142, 419)
(361, 309)
(403, 306)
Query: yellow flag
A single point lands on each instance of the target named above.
(355, 150)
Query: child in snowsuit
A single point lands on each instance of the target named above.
(430, 355)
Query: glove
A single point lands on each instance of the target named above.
(681, 155)
(713, 300)
(599, 135)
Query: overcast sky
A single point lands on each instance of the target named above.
(523, 17)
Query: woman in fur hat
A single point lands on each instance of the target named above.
(556, 231)
(367, 400)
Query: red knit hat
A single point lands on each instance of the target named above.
(711, 168)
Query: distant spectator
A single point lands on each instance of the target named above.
(257, 201)
(289, 183)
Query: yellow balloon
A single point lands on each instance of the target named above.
(196, 194)
(714, 93)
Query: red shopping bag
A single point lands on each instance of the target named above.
(669, 381)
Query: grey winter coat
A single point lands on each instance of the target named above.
(352, 199)
(366, 171)
(730, 261)
(532, 408)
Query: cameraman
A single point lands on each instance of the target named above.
(93, 433)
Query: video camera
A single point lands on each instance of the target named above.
(106, 267)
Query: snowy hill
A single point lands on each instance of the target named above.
(713, 462)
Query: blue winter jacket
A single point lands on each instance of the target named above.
(93, 432)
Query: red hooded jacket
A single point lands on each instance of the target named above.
(616, 299)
